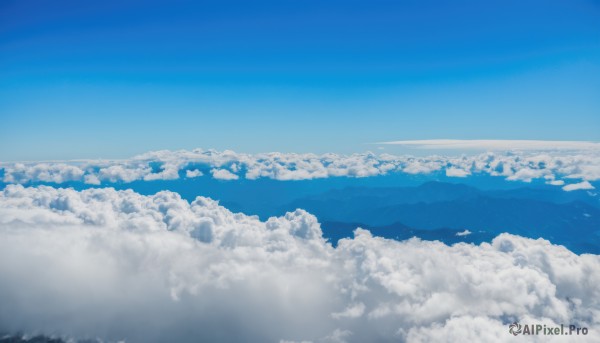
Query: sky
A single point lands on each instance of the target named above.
(109, 79)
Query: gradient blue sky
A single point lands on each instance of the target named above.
(87, 79)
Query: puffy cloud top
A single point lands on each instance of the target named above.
(576, 186)
(223, 174)
(228, 165)
(118, 265)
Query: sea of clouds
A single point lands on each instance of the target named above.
(120, 266)
(571, 170)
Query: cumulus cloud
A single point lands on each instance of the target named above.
(42, 172)
(577, 186)
(223, 174)
(228, 165)
(464, 233)
(193, 173)
(527, 174)
(456, 172)
(122, 266)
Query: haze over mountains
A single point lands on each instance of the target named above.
(441, 210)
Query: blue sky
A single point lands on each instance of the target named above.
(83, 79)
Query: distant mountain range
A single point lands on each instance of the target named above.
(437, 210)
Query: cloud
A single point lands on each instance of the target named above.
(464, 233)
(578, 186)
(42, 172)
(223, 174)
(527, 174)
(456, 172)
(523, 166)
(124, 173)
(193, 173)
(491, 144)
(353, 311)
(118, 265)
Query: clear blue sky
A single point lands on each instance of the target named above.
(106, 78)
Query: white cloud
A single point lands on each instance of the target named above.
(353, 311)
(464, 233)
(193, 173)
(421, 166)
(223, 174)
(492, 144)
(42, 172)
(578, 186)
(168, 165)
(527, 174)
(168, 172)
(456, 172)
(121, 266)
(91, 179)
(123, 173)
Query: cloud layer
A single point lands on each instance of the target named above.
(121, 266)
(555, 168)
(497, 144)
